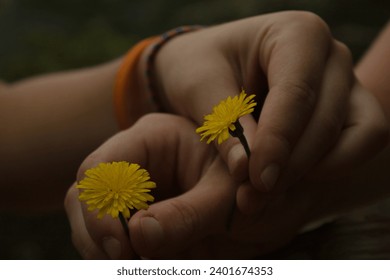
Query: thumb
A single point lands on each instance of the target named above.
(170, 227)
(233, 152)
(93, 238)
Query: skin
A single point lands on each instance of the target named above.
(214, 64)
(297, 69)
(258, 224)
(372, 69)
(293, 64)
(62, 117)
(318, 82)
(40, 140)
(194, 215)
(195, 199)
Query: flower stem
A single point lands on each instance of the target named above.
(124, 224)
(239, 133)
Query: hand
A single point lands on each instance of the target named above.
(194, 191)
(303, 79)
(194, 216)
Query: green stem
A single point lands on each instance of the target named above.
(124, 224)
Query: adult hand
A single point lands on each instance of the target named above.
(303, 79)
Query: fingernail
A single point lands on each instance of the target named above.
(237, 163)
(152, 232)
(112, 247)
(270, 175)
(236, 153)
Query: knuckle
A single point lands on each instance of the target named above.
(158, 122)
(86, 249)
(306, 20)
(342, 48)
(90, 161)
(281, 139)
(151, 118)
(314, 20)
(301, 93)
(344, 52)
(330, 124)
(147, 123)
(187, 215)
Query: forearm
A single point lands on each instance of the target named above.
(49, 124)
(374, 68)
(54, 108)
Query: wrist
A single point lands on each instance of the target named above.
(155, 68)
(131, 100)
(137, 89)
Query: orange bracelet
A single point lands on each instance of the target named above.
(127, 82)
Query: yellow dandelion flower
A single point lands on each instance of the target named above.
(224, 118)
(116, 187)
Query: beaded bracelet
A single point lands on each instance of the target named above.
(156, 46)
(126, 80)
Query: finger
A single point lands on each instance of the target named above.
(162, 156)
(265, 223)
(108, 234)
(156, 141)
(364, 135)
(233, 153)
(95, 238)
(80, 236)
(294, 63)
(172, 226)
(327, 120)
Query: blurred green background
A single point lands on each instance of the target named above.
(38, 36)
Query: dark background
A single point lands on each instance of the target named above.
(39, 36)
